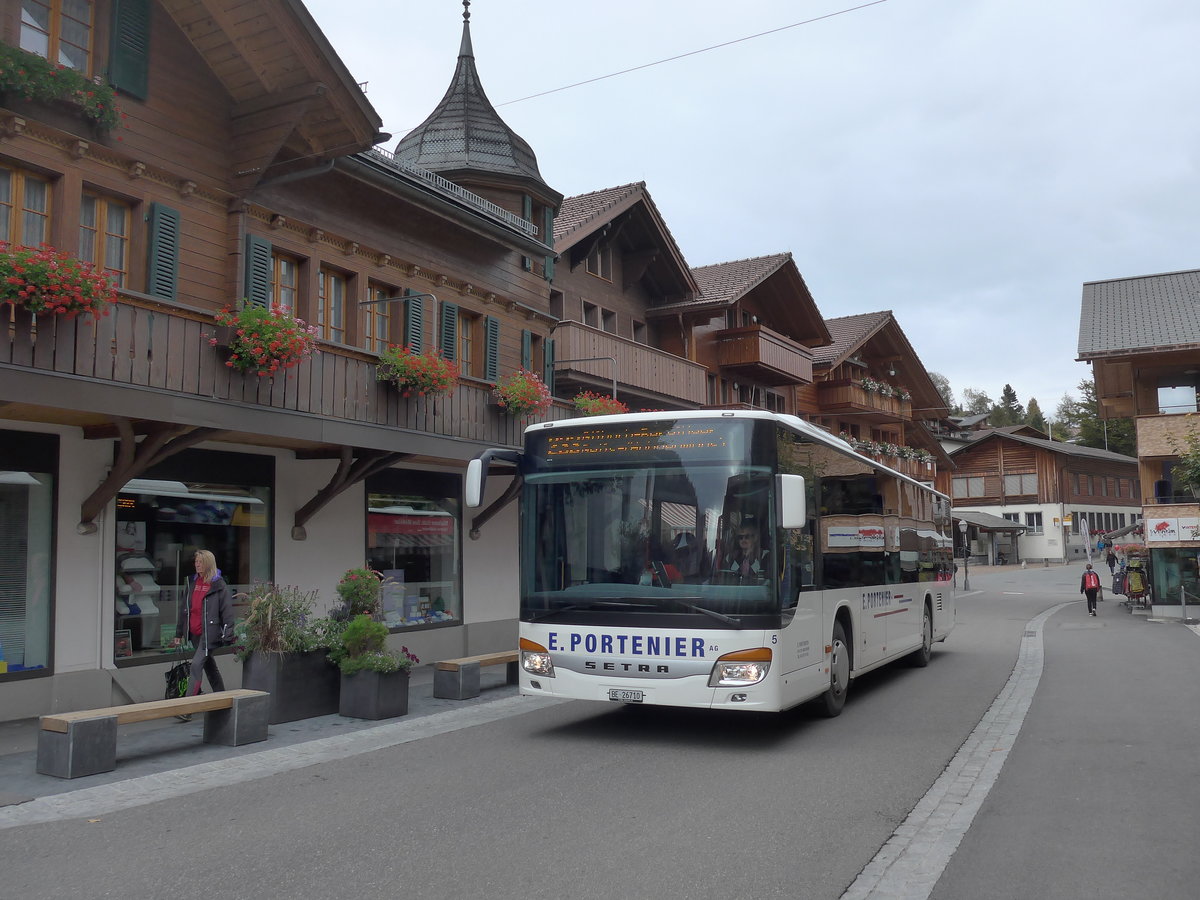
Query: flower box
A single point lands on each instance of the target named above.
(374, 695)
(301, 685)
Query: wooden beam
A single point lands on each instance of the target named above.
(350, 471)
(134, 458)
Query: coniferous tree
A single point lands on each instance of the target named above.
(1033, 415)
(1008, 411)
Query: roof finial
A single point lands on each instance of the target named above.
(466, 10)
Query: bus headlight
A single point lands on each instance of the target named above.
(741, 668)
(535, 659)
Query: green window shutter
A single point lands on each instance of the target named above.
(548, 374)
(527, 208)
(527, 349)
(162, 273)
(129, 52)
(257, 287)
(448, 333)
(491, 364)
(414, 321)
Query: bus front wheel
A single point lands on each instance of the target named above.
(920, 656)
(834, 698)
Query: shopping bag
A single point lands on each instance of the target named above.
(177, 679)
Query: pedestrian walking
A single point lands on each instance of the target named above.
(1089, 586)
(1111, 559)
(206, 620)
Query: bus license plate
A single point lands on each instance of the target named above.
(625, 696)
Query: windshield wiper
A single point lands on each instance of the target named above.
(692, 607)
(546, 614)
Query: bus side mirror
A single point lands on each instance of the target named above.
(792, 501)
(473, 488)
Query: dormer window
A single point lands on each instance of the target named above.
(599, 262)
(60, 31)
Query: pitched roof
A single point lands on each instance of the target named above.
(1060, 447)
(584, 209)
(1141, 314)
(727, 281)
(849, 332)
(464, 133)
(642, 225)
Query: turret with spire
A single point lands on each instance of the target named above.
(465, 141)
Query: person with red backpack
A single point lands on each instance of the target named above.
(1089, 586)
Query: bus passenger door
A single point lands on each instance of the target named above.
(803, 638)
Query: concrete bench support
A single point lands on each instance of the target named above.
(458, 679)
(88, 747)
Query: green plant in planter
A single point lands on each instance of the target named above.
(522, 393)
(46, 281)
(362, 648)
(589, 403)
(424, 374)
(360, 591)
(34, 77)
(281, 621)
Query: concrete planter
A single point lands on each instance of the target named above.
(301, 685)
(374, 695)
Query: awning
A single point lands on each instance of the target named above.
(986, 521)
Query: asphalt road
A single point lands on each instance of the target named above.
(581, 800)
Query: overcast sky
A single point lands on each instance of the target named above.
(967, 164)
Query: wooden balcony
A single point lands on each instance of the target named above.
(761, 355)
(1160, 436)
(152, 360)
(849, 397)
(635, 366)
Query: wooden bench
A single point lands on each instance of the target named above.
(80, 743)
(458, 679)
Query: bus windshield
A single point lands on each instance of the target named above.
(655, 544)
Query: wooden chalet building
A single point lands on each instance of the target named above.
(1047, 488)
(245, 165)
(1141, 336)
(871, 387)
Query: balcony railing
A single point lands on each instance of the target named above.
(637, 366)
(838, 396)
(1162, 435)
(148, 345)
(764, 355)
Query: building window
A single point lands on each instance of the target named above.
(609, 321)
(1176, 394)
(24, 208)
(285, 278)
(413, 539)
(639, 331)
(1033, 522)
(331, 305)
(1015, 518)
(591, 314)
(470, 362)
(964, 488)
(377, 317)
(599, 263)
(59, 30)
(104, 235)
(1020, 485)
(28, 466)
(197, 500)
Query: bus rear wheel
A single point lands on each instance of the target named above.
(834, 699)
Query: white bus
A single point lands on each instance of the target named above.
(718, 559)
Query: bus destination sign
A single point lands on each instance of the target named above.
(641, 441)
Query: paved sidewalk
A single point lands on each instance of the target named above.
(162, 747)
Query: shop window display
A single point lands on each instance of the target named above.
(413, 539)
(28, 463)
(164, 518)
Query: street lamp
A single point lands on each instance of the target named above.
(962, 526)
